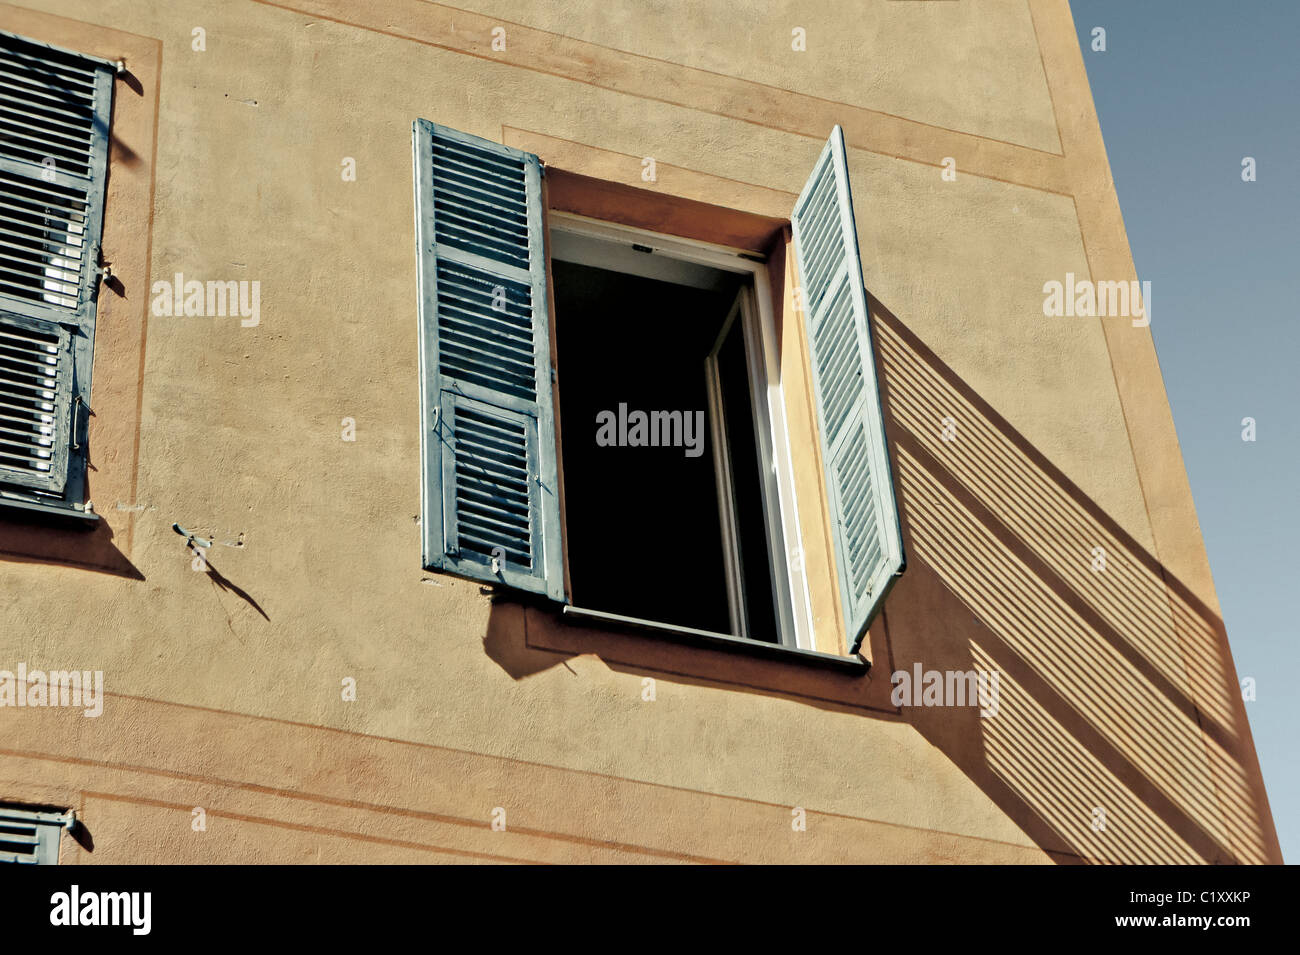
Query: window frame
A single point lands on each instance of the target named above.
(758, 313)
(723, 472)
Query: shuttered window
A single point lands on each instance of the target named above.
(863, 510)
(55, 109)
(31, 837)
(490, 507)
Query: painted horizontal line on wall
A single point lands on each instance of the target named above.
(634, 74)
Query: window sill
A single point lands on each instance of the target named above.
(721, 641)
(18, 509)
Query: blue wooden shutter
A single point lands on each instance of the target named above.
(31, 836)
(55, 109)
(35, 402)
(488, 447)
(860, 487)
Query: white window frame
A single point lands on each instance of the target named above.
(666, 258)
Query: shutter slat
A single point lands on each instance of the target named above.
(497, 196)
(26, 241)
(860, 489)
(482, 158)
(48, 63)
(15, 110)
(38, 111)
(47, 141)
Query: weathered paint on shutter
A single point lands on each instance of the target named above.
(55, 110)
(859, 483)
(35, 402)
(490, 508)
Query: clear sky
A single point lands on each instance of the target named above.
(1185, 90)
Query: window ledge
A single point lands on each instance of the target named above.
(37, 511)
(722, 641)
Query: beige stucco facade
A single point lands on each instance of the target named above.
(224, 686)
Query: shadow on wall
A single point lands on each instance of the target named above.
(1117, 692)
(38, 542)
(1120, 735)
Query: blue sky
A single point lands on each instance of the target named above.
(1184, 91)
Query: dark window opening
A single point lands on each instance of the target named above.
(647, 528)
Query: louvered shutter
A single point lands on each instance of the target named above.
(35, 402)
(490, 494)
(30, 837)
(55, 108)
(860, 487)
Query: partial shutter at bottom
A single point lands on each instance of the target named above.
(491, 488)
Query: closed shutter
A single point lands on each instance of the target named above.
(860, 487)
(55, 108)
(490, 507)
(31, 837)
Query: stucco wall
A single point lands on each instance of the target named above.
(224, 687)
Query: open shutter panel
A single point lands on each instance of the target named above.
(491, 506)
(860, 487)
(55, 108)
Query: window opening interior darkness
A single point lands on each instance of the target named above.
(663, 496)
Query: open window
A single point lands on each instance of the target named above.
(668, 405)
(629, 382)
